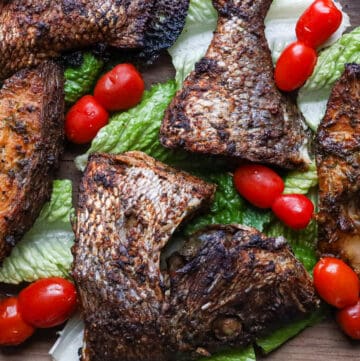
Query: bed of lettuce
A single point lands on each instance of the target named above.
(45, 249)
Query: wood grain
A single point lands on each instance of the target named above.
(323, 342)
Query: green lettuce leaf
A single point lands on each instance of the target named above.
(80, 80)
(137, 128)
(313, 96)
(195, 38)
(201, 22)
(247, 354)
(301, 182)
(44, 251)
(278, 337)
(228, 207)
(281, 20)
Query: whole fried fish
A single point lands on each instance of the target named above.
(34, 30)
(229, 105)
(338, 162)
(31, 141)
(227, 286)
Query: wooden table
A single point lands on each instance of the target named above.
(323, 342)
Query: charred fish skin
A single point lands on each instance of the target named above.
(34, 30)
(234, 286)
(31, 141)
(229, 105)
(166, 23)
(338, 164)
(232, 283)
(129, 205)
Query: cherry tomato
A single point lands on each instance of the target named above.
(121, 88)
(258, 184)
(336, 282)
(84, 120)
(295, 64)
(47, 302)
(319, 21)
(13, 329)
(349, 320)
(295, 210)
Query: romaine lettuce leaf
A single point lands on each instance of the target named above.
(313, 96)
(301, 182)
(44, 251)
(228, 207)
(136, 128)
(278, 337)
(201, 22)
(195, 38)
(281, 20)
(247, 354)
(66, 347)
(80, 80)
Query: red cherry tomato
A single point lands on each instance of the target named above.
(47, 302)
(84, 120)
(336, 282)
(319, 21)
(258, 184)
(13, 329)
(121, 88)
(349, 320)
(295, 64)
(295, 210)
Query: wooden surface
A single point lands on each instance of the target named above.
(323, 342)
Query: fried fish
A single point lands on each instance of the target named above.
(31, 141)
(338, 162)
(34, 30)
(227, 286)
(229, 105)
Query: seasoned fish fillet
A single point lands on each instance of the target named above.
(129, 205)
(229, 105)
(34, 30)
(232, 285)
(31, 137)
(227, 286)
(338, 162)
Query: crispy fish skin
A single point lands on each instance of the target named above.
(233, 286)
(129, 205)
(31, 141)
(225, 277)
(338, 163)
(34, 30)
(229, 105)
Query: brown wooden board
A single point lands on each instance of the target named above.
(323, 342)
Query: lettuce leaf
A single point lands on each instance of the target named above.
(228, 207)
(313, 96)
(201, 22)
(80, 80)
(69, 342)
(44, 251)
(137, 128)
(195, 38)
(278, 337)
(281, 20)
(247, 354)
(301, 182)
